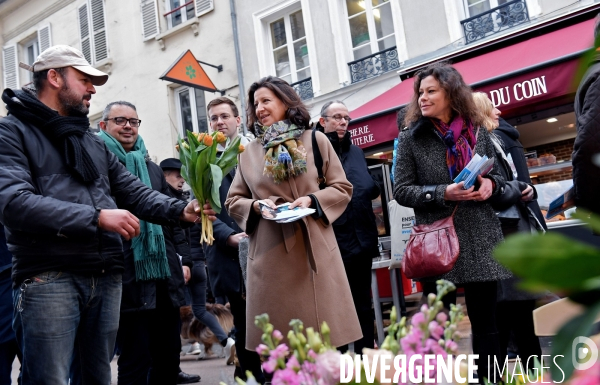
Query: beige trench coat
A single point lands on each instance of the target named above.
(295, 270)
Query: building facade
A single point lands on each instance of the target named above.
(354, 50)
(135, 42)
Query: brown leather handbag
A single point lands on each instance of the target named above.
(431, 249)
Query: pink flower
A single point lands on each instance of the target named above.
(590, 376)
(441, 318)
(286, 377)
(436, 330)
(328, 366)
(277, 335)
(418, 319)
(452, 347)
(293, 363)
(280, 351)
(269, 366)
(262, 350)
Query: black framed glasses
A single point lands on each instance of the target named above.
(338, 117)
(121, 121)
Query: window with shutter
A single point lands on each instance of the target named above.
(84, 32)
(10, 66)
(44, 38)
(100, 48)
(204, 6)
(150, 26)
(92, 31)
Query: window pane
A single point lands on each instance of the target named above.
(278, 33)
(301, 54)
(186, 111)
(297, 22)
(191, 12)
(476, 7)
(388, 42)
(287, 78)
(363, 51)
(379, 2)
(303, 74)
(355, 6)
(282, 62)
(175, 16)
(201, 111)
(359, 30)
(384, 25)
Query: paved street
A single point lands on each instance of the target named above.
(213, 369)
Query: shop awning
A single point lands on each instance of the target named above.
(532, 71)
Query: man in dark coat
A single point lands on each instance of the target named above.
(8, 340)
(222, 257)
(586, 173)
(510, 137)
(65, 202)
(149, 327)
(355, 230)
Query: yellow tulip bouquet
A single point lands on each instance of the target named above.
(204, 171)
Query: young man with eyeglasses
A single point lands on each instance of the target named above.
(355, 230)
(61, 202)
(154, 276)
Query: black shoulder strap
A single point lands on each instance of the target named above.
(318, 161)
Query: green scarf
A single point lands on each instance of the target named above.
(286, 155)
(149, 251)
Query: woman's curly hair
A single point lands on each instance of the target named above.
(458, 92)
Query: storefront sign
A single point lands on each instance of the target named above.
(374, 131)
(532, 87)
(523, 90)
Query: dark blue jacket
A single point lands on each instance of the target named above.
(355, 230)
(6, 305)
(222, 261)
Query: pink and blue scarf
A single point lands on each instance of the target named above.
(460, 139)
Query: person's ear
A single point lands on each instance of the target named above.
(54, 79)
(238, 121)
(322, 121)
(102, 125)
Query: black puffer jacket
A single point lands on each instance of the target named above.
(51, 217)
(355, 230)
(586, 175)
(142, 295)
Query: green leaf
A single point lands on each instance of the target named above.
(579, 326)
(229, 157)
(550, 261)
(591, 219)
(216, 179)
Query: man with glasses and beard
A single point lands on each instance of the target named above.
(66, 201)
(355, 230)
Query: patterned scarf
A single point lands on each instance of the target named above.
(286, 155)
(460, 140)
(149, 250)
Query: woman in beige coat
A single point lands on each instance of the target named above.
(295, 270)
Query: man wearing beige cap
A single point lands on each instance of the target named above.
(59, 203)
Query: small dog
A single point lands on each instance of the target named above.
(193, 329)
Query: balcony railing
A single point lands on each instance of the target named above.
(304, 88)
(374, 65)
(495, 20)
